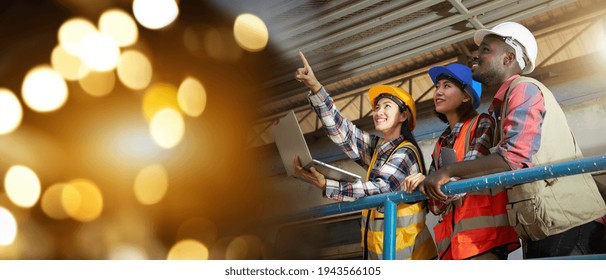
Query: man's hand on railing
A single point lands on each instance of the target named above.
(430, 187)
(311, 176)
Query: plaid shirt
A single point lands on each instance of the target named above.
(522, 124)
(480, 143)
(360, 146)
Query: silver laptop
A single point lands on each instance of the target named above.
(291, 142)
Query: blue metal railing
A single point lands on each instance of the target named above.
(390, 200)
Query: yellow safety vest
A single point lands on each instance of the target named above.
(413, 239)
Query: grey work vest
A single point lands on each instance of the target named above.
(547, 207)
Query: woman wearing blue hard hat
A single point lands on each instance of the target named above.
(473, 225)
(388, 157)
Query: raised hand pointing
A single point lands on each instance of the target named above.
(306, 76)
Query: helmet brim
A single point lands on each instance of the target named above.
(478, 37)
(474, 90)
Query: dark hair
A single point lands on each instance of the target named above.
(465, 111)
(405, 131)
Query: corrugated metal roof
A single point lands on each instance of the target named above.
(353, 45)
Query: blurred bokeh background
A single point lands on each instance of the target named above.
(123, 130)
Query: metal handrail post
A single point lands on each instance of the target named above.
(389, 232)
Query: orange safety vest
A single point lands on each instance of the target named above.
(478, 222)
(413, 239)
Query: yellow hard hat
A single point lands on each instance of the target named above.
(399, 93)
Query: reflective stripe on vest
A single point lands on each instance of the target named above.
(413, 239)
(422, 249)
(464, 232)
(480, 223)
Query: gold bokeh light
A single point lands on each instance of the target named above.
(68, 65)
(192, 97)
(82, 200)
(98, 83)
(134, 70)
(72, 32)
(44, 89)
(251, 33)
(120, 26)
(188, 249)
(151, 184)
(119, 144)
(51, 202)
(127, 252)
(167, 128)
(158, 97)
(22, 186)
(155, 14)
(8, 227)
(99, 52)
(11, 112)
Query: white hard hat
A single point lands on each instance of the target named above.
(515, 35)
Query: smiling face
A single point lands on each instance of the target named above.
(488, 65)
(388, 118)
(448, 96)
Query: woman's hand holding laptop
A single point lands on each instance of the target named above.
(311, 176)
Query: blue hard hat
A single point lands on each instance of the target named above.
(462, 74)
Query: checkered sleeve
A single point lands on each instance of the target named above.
(481, 142)
(384, 178)
(357, 144)
(522, 125)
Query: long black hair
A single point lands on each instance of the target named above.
(407, 133)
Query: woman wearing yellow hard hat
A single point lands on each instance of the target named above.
(389, 158)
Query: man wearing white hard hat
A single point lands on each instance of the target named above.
(474, 225)
(553, 217)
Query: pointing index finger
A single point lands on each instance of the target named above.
(305, 63)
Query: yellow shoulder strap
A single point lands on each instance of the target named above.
(404, 143)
